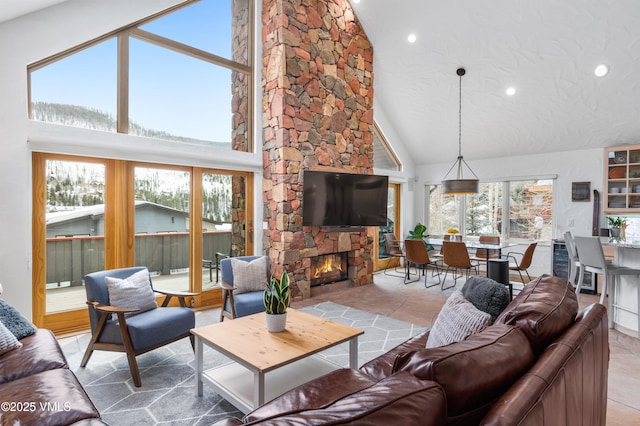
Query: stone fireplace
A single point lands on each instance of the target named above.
(317, 114)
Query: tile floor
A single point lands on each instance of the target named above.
(416, 304)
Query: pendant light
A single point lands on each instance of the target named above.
(460, 185)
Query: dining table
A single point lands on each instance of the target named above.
(475, 244)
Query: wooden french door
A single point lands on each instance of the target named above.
(92, 214)
(393, 225)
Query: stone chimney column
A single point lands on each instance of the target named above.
(317, 78)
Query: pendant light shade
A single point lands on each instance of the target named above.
(459, 184)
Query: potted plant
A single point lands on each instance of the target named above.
(419, 233)
(276, 301)
(616, 224)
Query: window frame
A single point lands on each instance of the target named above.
(387, 147)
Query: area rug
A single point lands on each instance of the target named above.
(167, 395)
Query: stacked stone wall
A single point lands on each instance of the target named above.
(317, 114)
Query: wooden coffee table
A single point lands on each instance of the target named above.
(267, 365)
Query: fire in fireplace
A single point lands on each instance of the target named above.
(328, 268)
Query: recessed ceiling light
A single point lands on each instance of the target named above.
(412, 38)
(601, 70)
(511, 91)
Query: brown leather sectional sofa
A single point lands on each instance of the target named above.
(37, 387)
(541, 363)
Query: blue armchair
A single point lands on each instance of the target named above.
(239, 304)
(113, 330)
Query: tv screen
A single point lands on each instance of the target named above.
(344, 199)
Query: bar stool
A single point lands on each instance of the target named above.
(592, 260)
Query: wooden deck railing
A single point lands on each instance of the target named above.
(69, 259)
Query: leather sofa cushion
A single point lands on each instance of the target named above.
(350, 397)
(473, 372)
(63, 399)
(39, 352)
(382, 366)
(544, 309)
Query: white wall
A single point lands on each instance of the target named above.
(37, 36)
(573, 166)
(406, 177)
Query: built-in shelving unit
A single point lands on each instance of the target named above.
(622, 179)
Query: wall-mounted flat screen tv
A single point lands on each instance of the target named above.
(344, 199)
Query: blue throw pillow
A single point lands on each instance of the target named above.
(15, 322)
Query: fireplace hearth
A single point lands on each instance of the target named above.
(328, 268)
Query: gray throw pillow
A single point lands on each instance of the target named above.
(8, 341)
(457, 320)
(15, 322)
(487, 295)
(249, 276)
(132, 292)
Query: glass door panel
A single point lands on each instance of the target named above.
(216, 225)
(74, 230)
(393, 226)
(162, 241)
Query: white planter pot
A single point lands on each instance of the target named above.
(276, 322)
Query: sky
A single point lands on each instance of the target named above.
(168, 91)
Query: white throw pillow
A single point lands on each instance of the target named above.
(249, 276)
(457, 320)
(132, 292)
(8, 341)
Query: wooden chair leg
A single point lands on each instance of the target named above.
(225, 296)
(94, 339)
(131, 355)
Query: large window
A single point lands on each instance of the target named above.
(183, 76)
(383, 155)
(95, 214)
(443, 211)
(529, 206)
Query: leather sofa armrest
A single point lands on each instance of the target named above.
(350, 397)
(314, 394)
(382, 366)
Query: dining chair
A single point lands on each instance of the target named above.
(592, 260)
(394, 251)
(416, 253)
(439, 256)
(481, 255)
(456, 257)
(525, 261)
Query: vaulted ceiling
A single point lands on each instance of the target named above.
(546, 49)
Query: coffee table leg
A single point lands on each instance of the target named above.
(258, 389)
(353, 353)
(199, 365)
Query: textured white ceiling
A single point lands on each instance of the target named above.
(546, 49)
(10, 9)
